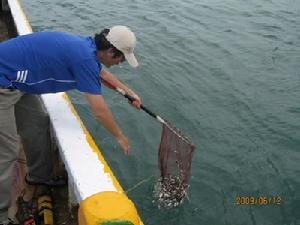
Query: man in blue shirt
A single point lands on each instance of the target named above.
(49, 62)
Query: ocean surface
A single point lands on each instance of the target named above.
(227, 74)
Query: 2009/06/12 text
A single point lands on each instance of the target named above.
(260, 200)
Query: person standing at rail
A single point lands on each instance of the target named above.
(50, 62)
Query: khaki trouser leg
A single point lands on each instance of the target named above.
(9, 146)
(22, 114)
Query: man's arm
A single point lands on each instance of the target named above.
(114, 80)
(105, 117)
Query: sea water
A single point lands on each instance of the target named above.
(227, 73)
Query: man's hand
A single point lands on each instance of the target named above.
(137, 100)
(123, 142)
(111, 81)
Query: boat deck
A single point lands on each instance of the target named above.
(63, 213)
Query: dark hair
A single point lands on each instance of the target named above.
(103, 44)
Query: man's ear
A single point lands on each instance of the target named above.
(110, 52)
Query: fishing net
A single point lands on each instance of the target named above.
(175, 160)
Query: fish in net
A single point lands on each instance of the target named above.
(175, 160)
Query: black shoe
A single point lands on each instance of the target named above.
(9, 222)
(54, 182)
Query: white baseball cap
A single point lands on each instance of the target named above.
(124, 40)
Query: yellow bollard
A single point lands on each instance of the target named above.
(45, 213)
(108, 208)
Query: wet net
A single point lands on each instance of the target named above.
(175, 161)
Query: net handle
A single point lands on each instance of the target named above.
(131, 99)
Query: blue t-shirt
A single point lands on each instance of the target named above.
(49, 62)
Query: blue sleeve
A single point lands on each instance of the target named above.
(87, 76)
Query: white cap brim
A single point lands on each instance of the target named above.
(130, 58)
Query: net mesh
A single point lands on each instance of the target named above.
(175, 160)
